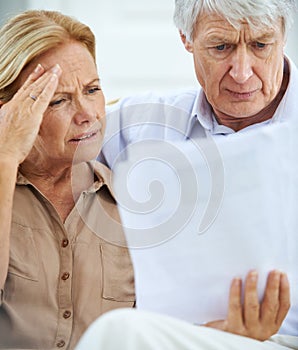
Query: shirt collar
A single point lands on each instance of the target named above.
(103, 177)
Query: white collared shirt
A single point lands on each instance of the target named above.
(257, 221)
(143, 116)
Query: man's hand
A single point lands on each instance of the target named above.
(251, 318)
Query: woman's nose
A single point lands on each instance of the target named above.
(84, 113)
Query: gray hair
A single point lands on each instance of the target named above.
(254, 12)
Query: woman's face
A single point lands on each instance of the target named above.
(73, 125)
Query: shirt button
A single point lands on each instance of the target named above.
(60, 344)
(65, 242)
(66, 314)
(65, 276)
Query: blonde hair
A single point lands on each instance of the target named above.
(31, 33)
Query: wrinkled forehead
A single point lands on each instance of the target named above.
(71, 56)
(256, 26)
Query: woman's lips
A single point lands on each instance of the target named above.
(84, 137)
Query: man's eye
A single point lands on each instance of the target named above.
(260, 45)
(221, 51)
(221, 47)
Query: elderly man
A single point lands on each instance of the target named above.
(248, 87)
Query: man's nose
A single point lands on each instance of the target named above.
(241, 66)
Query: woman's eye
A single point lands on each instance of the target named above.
(93, 90)
(57, 102)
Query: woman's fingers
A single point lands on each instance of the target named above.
(20, 118)
(35, 84)
(38, 71)
(41, 97)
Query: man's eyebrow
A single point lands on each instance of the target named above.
(265, 36)
(222, 38)
(214, 38)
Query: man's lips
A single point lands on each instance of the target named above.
(242, 95)
(84, 137)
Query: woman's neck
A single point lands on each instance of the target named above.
(62, 187)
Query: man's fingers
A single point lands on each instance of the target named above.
(235, 319)
(219, 324)
(276, 301)
(284, 299)
(251, 301)
(270, 304)
(250, 318)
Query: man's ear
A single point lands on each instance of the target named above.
(187, 44)
(1, 103)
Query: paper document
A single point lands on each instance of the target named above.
(185, 271)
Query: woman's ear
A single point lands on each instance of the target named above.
(1, 103)
(187, 44)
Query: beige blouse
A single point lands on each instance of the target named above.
(63, 276)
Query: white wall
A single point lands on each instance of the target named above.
(291, 48)
(10, 8)
(138, 47)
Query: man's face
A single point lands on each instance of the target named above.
(240, 70)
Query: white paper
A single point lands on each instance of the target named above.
(182, 272)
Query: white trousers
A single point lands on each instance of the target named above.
(130, 329)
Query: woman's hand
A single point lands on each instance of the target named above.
(20, 118)
(251, 318)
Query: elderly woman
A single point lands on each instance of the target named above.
(63, 260)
